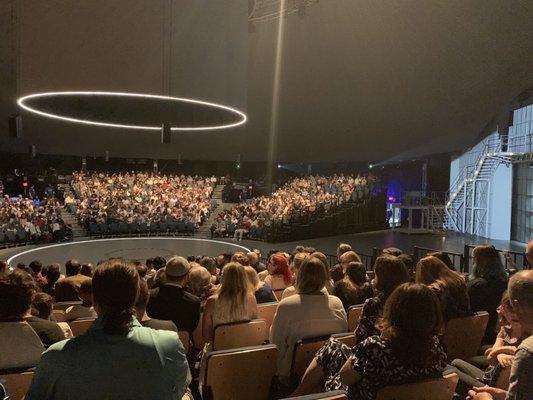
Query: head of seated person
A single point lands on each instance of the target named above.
(279, 271)
(72, 267)
(200, 283)
(41, 305)
(16, 293)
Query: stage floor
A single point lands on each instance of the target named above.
(146, 247)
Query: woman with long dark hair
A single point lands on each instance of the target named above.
(486, 285)
(449, 286)
(353, 288)
(407, 349)
(110, 354)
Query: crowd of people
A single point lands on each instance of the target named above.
(298, 197)
(140, 197)
(140, 307)
(24, 219)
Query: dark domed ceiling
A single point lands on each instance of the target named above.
(356, 80)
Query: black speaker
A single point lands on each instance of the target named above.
(15, 126)
(165, 133)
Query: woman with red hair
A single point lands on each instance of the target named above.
(279, 273)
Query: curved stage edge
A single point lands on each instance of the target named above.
(140, 248)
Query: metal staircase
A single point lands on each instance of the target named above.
(467, 204)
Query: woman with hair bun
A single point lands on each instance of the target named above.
(110, 354)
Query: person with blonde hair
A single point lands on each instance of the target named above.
(200, 283)
(449, 286)
(234, 301)
(309, 313)
(262, 290)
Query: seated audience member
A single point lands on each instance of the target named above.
(150, 270)
(240, 257)
(210, 264)
(200, 283)
(171, 301)
(67, 288)
(141, 268)
(142, 316)
(279, 274)
(337, 268)
(111, 352)
(449, 286)
(520, 382)
(392, 251)
(253, 261)
(498, 357)
(445, 258)
(297, 261)
(309, 313)
(51, 276)
(337, 272)
(407, 350)
(85, 309)
(262, 290)
(486, 285)
(390, 272)
(409, 264)
(234, 301)
(4, 267)
(322, 257)
(16, 293)
(87, 270)
(41, 307)
(354, 288)
(35, 268)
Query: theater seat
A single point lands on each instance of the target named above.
(333, 395)
(17, 385)
(347, 338)
(20, 346)
(63, 305)
(239, 374)
(354, 315)
(267, 312)
(59, 315)
(197, 336)
(304, 352)
(185, 340)
(429, 389)
(80, 326)
(240, 334)
(462, 336)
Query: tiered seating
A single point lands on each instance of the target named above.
(303, 354)
(80, 326)
(354, 315)
(17, 384)
(267, 312)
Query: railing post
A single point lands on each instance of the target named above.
(466, 259)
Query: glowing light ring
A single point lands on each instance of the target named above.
(242, 116)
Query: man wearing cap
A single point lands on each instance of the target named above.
(171, 302)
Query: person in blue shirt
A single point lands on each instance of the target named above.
(116, 358)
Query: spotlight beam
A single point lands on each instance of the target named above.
(22, 103)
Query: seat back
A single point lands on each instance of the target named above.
(80, 326)
(240, 334)
(333, 395)
(197, 335)
(267, 311)
(17, 385)
(304, 352)
(20, 346)
(354, 315)
(63, 305)
(239, 374)
(59, 315)
(428, 389)
(463, 336)
(347, 338)
(185, 340)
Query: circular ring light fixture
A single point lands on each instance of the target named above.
(238, 117)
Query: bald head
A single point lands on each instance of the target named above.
(521, 295)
